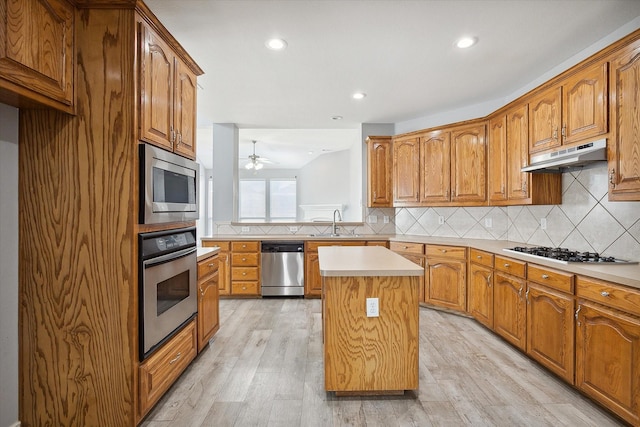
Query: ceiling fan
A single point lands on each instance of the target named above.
(255, 162)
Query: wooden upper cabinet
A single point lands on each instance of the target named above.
(624, 144)
(468, 164)
(435, 161)
(156, 90)
(406, 169)
(584, 104)
(497, 159)
(379, 166)
(37, 53)
(544, 120)
(167, 96)
(517, 153)
(185, 110)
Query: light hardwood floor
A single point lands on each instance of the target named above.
(264, 368)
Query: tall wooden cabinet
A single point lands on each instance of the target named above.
(406, 171)
(624, 144)
(435, 167)
(78, 194)
(469, 165)
(37, 53)
(379, 170)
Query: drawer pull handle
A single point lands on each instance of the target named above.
(479, 256)
(211, 265)
(545, 276)
(244, 273)
(244, 259)
(244, 288)
(405, 247)
(506, 265)
(604, 293)
(444, 251)
(577, 313)
(175, 359)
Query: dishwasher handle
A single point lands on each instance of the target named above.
(277, 247)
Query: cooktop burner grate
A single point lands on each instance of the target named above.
(566, 256)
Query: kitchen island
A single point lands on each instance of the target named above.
(370, 298)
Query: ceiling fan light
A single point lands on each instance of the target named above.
(249, 165)
(258, 166)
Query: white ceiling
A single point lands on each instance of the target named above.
(401, 53)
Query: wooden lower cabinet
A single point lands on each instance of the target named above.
(208, 300)
(245, 268)
(480, 294)
(446, 277)
(224, 265)
(510, 308)
(550, 330)
(414, 252)
(162, 368)
(312, 278)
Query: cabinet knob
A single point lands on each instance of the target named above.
(479, 256)
(244, 259)
(604, 294)
(244, 288)
(244, 273)
(506, 265)
(211, 265)
(444, 251)
(612, 175)
(545, 276)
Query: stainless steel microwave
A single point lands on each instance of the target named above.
(169, 186)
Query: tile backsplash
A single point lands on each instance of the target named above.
(585, 221)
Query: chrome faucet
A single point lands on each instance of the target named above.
(334, 227)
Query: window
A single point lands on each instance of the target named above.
(267, 200)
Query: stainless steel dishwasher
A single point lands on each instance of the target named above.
(282, 267)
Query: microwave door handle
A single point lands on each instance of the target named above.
(168, 257)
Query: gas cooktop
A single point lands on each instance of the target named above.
(566, 256)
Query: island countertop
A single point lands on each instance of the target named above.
(364, 261)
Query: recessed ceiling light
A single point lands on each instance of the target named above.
(336, 118)
(276, 44)
(359, 95)
(465, 42)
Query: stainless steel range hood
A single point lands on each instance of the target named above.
(566, 159)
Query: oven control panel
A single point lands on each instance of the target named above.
(158, 243)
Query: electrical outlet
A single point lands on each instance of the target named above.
(543, 223)
(246, 229)
(488, 222)
(440, 220)
(385, 219)
(373, 309)
(293, 229)
(372, 219)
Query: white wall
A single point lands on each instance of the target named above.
(8, 265)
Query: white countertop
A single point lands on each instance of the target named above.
(350, 261)
(204, 253)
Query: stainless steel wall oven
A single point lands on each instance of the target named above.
(167, 285)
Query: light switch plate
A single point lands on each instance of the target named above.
(543, 223)
(372, 219)
(373, 309)
(385, 219)
(246, 229)
(488, 222)
(440, 220)
(293, 229)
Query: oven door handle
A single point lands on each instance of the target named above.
(168, 257)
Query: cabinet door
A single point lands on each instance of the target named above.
(509, 309)
(185, 110)
(624, 144)
(445, 284)
(584, 104)
(379, 165)
(481, 294)
(498, 159)
(208, 310)
(37, 51)
(435, 163)
(550, 330)
(156, 90)
(406, 165)
(469, 165)
(544, 116)
(312, 278)
(224, 273)
(417, 259)
(608, 359)
(517, 153)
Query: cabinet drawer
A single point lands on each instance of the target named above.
(244, 273)
(207, 267)
(610, 294)
(244, 288)
(244, 259)
(446, 251)
(412, 248)
(224, 245)
(511, 266)
(313, 246)
(245, 246)
(554, 279)
(160, 370)
(481, 257)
